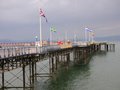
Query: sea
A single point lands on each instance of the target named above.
(102, 73)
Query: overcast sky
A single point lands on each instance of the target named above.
(19, 19)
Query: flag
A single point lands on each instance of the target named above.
(89, 30)
(53, 29)
(42, 14)
(59, 42)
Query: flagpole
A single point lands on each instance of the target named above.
(65, 36)
(50, 37)
(74, 37)
(85, 35)
(89, 36)
(92, 37)
(40, 32)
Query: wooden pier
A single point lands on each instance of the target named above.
(26, 60)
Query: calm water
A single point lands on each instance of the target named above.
(102, 73)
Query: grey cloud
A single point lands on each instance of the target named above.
(70, 15)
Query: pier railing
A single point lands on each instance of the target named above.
(16, 51)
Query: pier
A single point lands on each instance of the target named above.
(24, 62)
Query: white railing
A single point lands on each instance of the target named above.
(15, 51)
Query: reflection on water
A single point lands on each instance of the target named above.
(67, 77)
(64, 80)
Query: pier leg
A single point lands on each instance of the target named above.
(30, 73)
(3, 86)
(57, 59)
(52, 64)
(68, 60)
(113, 47)
(74, 56)
(33, 73)
(23, 76)
(85, 59)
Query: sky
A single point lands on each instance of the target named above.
(19, 19)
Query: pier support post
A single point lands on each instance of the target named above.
(23, 75)
(51, 64)
(113, 47)
(68, 58)
(32, 72)
(3, 86)
(85, 56)
(74, 55)
(57, 60)
(35, 70)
